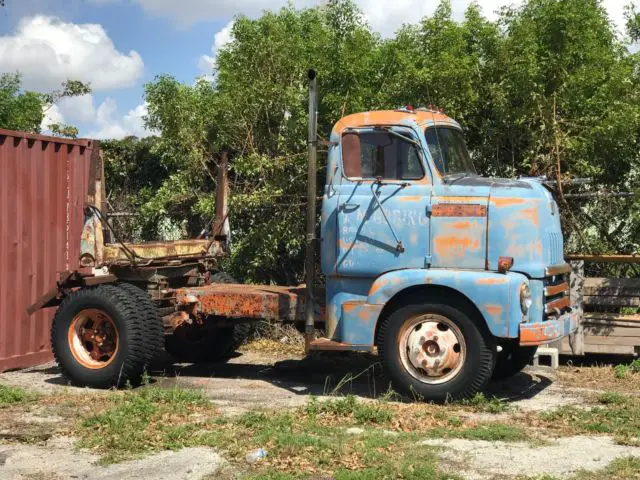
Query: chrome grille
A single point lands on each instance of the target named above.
(556, 253)
(556, 295)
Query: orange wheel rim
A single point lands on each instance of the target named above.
(93, 338)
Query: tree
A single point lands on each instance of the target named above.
(548, 89)
(25, 110)
(19, 110)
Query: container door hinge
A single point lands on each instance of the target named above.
(427, 261)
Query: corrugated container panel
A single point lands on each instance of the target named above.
(43, 189)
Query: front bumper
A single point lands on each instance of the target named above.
(539, 333)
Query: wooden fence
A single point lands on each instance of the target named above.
(606, 307)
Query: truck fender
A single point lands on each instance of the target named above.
(495, 295)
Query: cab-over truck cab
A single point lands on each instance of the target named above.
(454, 277)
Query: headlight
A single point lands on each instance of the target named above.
(525, 298)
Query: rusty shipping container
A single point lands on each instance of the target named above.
(44, 183)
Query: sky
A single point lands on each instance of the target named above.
(119, 45)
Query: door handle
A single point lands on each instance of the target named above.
(350, 206)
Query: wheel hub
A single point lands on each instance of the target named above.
(432, 348)
(93, 338)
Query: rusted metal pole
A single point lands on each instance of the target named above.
(311, 209)
(605, 258)
(222, 200)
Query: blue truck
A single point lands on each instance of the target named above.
(452, 277)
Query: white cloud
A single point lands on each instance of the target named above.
(109, 126)
(78, 109)
(47, 51)
(206, 63)
(51, 115)
(384, 16)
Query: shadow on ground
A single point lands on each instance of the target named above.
(335, 373)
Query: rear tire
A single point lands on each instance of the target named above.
(435, 352)
(101, 337)
(148, 309)
(202, 343)
(512, 360)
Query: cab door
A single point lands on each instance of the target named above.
(384, 203)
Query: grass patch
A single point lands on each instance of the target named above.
(611, 398)
(350, 408)
(309, 440)
(616, 415)
(142, 421)
(492, 432)
(480, 403)
(622, 371)
(12, 395)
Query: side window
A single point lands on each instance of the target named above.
(379, 154)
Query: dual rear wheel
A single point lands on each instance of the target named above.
(108, 335)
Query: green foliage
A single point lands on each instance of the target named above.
(481, 403)
(25, 110)
(11, 395)
(19, 110)
(621, 371)
(351, 407)
(617, 416)
(491, 432)
(611, 398)
(548, 89)
(133, 426)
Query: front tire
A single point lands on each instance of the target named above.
(435, 352)
(101, 337)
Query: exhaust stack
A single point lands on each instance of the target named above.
(311, 209)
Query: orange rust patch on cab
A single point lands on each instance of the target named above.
(491, 281)
(494, 310)
(460, 225)
(446, 199)
(349, 307)
(411, 198)
(389, 117)
(459, 210)
(531, 214)
(454, 246)
(506, 202)
(377, 285)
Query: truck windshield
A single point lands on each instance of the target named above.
(449, 151)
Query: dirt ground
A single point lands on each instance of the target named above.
(259, 379)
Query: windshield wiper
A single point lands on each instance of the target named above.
(456, 177)
(403, 137)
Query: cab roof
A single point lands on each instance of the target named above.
(393, 117)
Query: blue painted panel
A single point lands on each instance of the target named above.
(459, 241)
(525, 224)
(496, 296)
(340, 291)
(366, 244)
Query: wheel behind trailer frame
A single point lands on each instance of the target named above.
(106, 336)
(201, 343)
